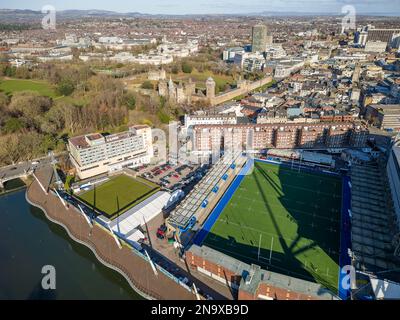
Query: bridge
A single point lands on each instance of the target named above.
(18, 175)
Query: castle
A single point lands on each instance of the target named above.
(186, 93)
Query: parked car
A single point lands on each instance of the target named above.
(160, 234)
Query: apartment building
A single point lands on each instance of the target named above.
(95, 153)
(207, 138)
(209, 118)
(249, 61)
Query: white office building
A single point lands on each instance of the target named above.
(95, 154)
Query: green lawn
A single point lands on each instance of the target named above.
(297, 214)
(9, 86)
(118, 195)
(201, 77)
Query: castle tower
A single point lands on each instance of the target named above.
(210, 88)
(171, 90)
(162, 88)
(180, 94)
(241, 83)
(190, 89)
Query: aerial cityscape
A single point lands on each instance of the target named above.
(209, 151)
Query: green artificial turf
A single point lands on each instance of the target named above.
(118, 195)
(295, 213)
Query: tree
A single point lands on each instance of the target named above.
(65, 87)
(147, 85)
(130, 101)
(13, 125)
(3, 101)
(175, 69)
(9, 152)
(187, 68)
(29, 107)
(22, 73)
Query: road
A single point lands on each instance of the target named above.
(21, 167)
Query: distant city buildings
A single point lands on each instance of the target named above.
(259, 38)
(229, 54)
(377, 39)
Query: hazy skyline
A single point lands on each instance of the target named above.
(212, 6)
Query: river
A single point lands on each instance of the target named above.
(28, 241)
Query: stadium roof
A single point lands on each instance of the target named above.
(127, 223)
(181, 216)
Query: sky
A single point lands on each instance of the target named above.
(212, 6)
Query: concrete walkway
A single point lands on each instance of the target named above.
(134, 268)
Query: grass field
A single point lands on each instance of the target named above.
(200, 78)
(297, 214)
(9, 86)
(118, 195)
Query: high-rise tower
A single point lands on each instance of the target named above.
(259, 38)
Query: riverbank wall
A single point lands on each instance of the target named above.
(132, 267)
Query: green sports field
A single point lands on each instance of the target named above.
(118, 195)
(295, 213)
(9, 86)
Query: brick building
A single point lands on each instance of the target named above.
(250, 281)
(282, 136)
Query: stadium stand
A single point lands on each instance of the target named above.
(372, 221)
(202, 193)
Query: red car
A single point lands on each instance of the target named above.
(160, 234)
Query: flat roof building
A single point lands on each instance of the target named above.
(259, 38)
(252, 282)
(95, 153)
(259, 137)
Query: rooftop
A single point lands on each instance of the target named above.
(84, 140)
(261, 276)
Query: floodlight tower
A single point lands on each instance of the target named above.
(53, 162)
